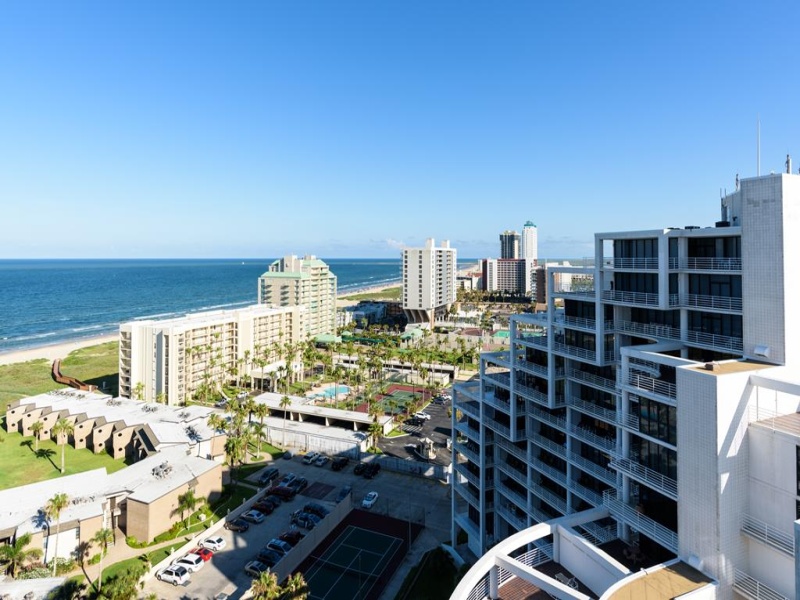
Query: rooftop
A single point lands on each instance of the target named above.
(731, 366)
(663, 582)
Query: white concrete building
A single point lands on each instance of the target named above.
(530, 242)
(507, 275)
(665, 394)
(509, 244)
(198, 352)
(307, 281)
(429, 281)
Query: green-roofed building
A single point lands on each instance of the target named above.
(307, 281)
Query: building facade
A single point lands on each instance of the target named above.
(307, 281)
(429, 282)
(653, 394)
(195, 354)
(530, 242)
(511, 275)
(509, 244)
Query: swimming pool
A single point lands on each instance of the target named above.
(332, 390)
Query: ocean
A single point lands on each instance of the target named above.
(45, 302)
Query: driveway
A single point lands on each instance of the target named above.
(438, 428)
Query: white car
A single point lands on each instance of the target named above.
(422, 415)
(310, 458)
(369, 500)
(176, 575)
(193, 562)
(215, 544)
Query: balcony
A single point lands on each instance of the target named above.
(501, 379)
(653, 330)
(607, 385)
(654, 479)
(702, 263)
(531, 394)
(558, 449)
(466, 452)
(767, 534)
(725, 303)
(536, 369)
(582, 293)
(633, 263)
(509, 515)
(589, 408)
(590, 437)
(471, 409)
(558, 476)
(462, 470)
(752, 588)
(513, 450)
(587, 494)
(630, 516)
(579, 323)
(518, 476)
(603, 474)
(549, 418)
(466, 492)
(471, 432)
(520, 500)
(636, 298)
(549, 498)
(643, 383)
(717, 342)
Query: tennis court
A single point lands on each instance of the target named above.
(352, 565)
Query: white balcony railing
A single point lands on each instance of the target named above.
(558, 449)
(649, 329)
(608, 385)
(603, 474)
(575, 351)
(711, 302)
(589, 408)
(629, 515)
(550, 498)
(662, 483)
(551, 472)
(513, 450)
(767, 534)
(753, 589)
(520, 500)
(699, 263)
(638, 263)
(722, 342)
(624, 297)
(519, 477)
(654, 386)
(509, 515)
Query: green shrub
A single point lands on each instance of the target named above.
(39, 572)
(94, 559)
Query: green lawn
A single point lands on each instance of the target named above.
(95, 364)
(21, 465)
(387, 294)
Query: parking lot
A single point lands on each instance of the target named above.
(437, 428)
(396, 497)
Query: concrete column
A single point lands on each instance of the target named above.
(494, 582)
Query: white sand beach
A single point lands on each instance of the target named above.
(54, 351)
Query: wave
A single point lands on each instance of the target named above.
(156, 316)
(89, 328)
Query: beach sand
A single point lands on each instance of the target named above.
(55, 351)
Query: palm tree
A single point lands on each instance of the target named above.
(265, 587)
(15, 554)
(295, 588)
(36, 430)
(261, 411)
(62, 430)
(52, 510)
(375, 431)
(234, 446)
(217, 422)
(138, 391)
(161, 398)
(188, 502)
(285, 404)
(102, 538)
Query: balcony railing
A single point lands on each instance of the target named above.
(767, 534)
(662, 483)
(590, 437)
(549, 498)
(582, 293)
(723, 342)
(465, 451)
(629, 515)
(710, 302)
(551, 472)
(649, 329)
(531, 394)
(608, 385)
(470, 408)
(599, 535)
(630, 421)
(549, 445)
(549, 418)
(502, 379)
(535, 369)
(638, 263)
(587, 494)
(513, 450)
(522, 501)
(518, 476)
(654, 386)
(575, 351)
(468, 431)
(511, 517)
(752, 588)
(589, 408)
(700, 263)
(462, 470)
(466, 492)
(603, 474)
(631, 297)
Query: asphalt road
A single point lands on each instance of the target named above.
(438, 428)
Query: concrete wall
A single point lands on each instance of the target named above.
(579, 556)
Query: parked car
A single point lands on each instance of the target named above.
(440, 400)
(174, 574)
(422, 415)
(344, 493)
(339, 463)
(287, 479)
(193, 562)
(221, 403)
(269, 557)
(316, 509)
(415, 422)
(272, 499)
(283, 492)
(321, 461)
(360, 467)
(304, 520)
(279, 546)
(255, 568)
(264, 507)
(292, 536)
(215, 544)
(237, 525)
(372, 470)
(268, 476)
(369, 500)
(299, 484)
(310, 458)
(253, 516)
(203, 553)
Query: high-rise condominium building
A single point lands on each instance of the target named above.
(530, 241)
(193, 356)
(307, 281)
(507, 275)
(429, 281)
(659, 399)
(509, 244)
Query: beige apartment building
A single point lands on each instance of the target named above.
(175, 360)
(307, 281)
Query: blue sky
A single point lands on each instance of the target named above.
(348, 129)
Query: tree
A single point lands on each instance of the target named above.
(36, 430)
(102, 538)
(217, 422)
(295, 588)
(286, 402)
(187, 502)
(375, 431)
(71, 589)
(161, 398)
(62, 430)
(15, 555)
(262, 412)
(234, 448)
(53, 510)
(265, 587)
(138, 391)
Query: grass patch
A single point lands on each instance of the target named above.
(396, 433)
(95, 364)
(432, 579)
(392, 293)
(23, 465)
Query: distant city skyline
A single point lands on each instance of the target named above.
(354, 129)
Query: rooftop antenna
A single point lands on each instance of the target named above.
(758, 146)
(788, 165)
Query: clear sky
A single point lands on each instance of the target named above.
(348, 129)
